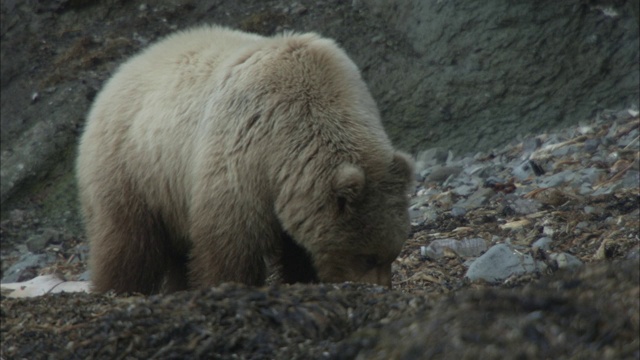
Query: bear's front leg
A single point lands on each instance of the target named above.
(219, 258)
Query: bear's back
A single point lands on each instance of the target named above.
(191, 55)
(206, 46)
(195, 95)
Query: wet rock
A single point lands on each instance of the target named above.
(499, 263)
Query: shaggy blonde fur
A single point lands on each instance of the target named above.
(215, 149)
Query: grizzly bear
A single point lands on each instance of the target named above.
(215, 151)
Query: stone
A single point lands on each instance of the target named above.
(430, 157)
(479, 198)
(465, 248)
(441, 173)
(566, 261)
(543, 243)
(499, 263)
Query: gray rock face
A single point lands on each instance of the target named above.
(475, 72)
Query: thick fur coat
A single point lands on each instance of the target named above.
(214, 150)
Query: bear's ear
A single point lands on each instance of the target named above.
(402, 167)
(348, 182)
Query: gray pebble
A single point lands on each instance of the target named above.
(590, 175)
(419, 201)
(582, 225)
(430, 215)
(530, 145)
(607, 189)
(458, 211)
(554, 180)
(565, 150)
(28, 260)
(431, 157)
(593, 210)
(523, 171)
(479, 156)
(585, 189)
(566, 261)
(633, 254)
(630, 180)
(591, 145)
(441, 173)
(37, 243)
(484, 171)
(525, 206)
(479, 198)
(543, 243)
(628, 139)
(465, 190)
(415, 214)
(85, 276)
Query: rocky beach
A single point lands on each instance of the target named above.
(523, 121)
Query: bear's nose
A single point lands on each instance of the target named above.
(380, 275)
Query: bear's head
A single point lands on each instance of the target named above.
(354, 225)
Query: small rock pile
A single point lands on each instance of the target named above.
(550, 201)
